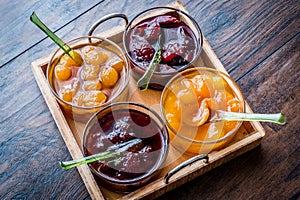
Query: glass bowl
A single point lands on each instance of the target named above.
(100, 80)
(175, 32)
(190, 99)
(120, 123)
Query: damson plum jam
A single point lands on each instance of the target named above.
(121, 126)
(177, 42)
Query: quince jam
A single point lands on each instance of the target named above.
(92, 79)
(121, 126)
(177, 42)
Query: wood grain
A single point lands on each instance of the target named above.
(257, 40)
(18, 33)
(248, 136)
(271, 171)
(243, 34)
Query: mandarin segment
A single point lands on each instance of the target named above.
(195, 115)
(200, 86)
(233, 105)
(173, 111)
(184, 91)
(90, 98)
(79, 98)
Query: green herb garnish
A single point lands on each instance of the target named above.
(68, 50)
(143, 82)
(277, 118)
(112, 151)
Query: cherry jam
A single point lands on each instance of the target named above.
(121, 126)
(175, 38)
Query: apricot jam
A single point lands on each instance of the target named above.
(189, 102)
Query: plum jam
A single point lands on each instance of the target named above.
(176, 41)
(121, 126)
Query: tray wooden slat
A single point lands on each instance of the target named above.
(248, 136)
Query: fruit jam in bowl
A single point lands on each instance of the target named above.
(100, 78)
(191, 99)
(119, 124)
(174, 32)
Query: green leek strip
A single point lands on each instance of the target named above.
(34, 18)
(110, 152)
(277, 118)
(143, 82)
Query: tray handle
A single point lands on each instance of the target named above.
(183, 165)
(105, 18)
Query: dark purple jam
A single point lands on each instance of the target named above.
(177, 42)
(121, 126)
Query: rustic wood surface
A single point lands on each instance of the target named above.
(258, 43)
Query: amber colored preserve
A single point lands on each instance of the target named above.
(91, 83)
(188, 103)
(97, 76)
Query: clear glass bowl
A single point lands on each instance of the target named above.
(119, 123)
(180, 105)
(160, 78)
(118, 93)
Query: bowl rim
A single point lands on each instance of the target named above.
(198, 42)
(236, 89)
(119, 91)
(164, 150)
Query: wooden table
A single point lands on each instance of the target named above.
(257, 42)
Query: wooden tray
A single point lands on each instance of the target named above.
(248, 136)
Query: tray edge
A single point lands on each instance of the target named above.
(65, 130)
(84, 171)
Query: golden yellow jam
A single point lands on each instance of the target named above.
(190, 101)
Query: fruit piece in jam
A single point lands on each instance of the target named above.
(178, 45)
